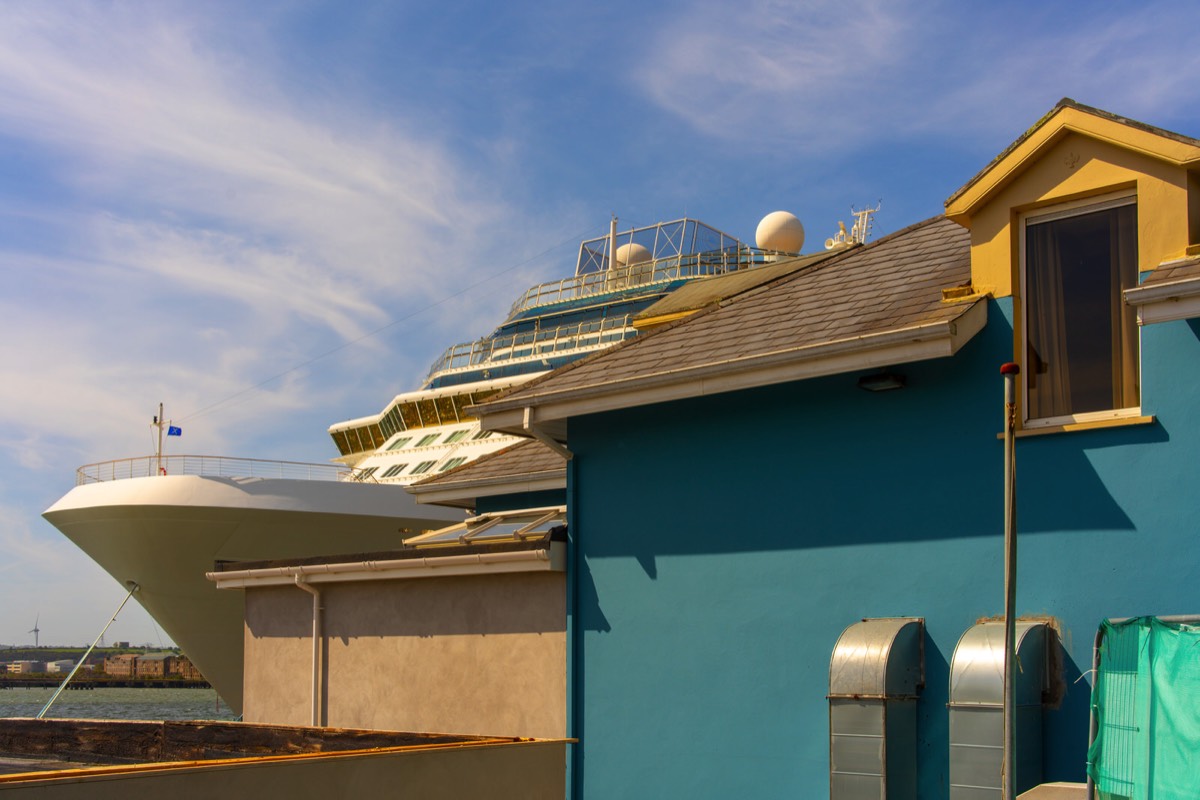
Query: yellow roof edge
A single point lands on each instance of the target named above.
(1065, 118)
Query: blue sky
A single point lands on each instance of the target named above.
(199, 200)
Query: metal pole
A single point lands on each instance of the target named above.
(1010, 372)
(158, 421)
(133, 587)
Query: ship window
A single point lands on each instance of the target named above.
(396, 445)
(429, 439)
(452, 463)
(1081, 339)
(423, 467)
(393, 470)
(457, 435)
(482, 435)
(509, 525)
(364, 474)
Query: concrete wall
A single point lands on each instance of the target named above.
(521, 771)
(471, 654)
(753, 527)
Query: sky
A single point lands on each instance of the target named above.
(274, 216)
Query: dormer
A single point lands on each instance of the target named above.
(1078, 211)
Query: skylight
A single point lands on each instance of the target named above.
(523, 525)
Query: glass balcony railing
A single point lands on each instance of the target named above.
(212, 466)
(533, 344)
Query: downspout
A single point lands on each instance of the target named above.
(575, 641)
(1009, 775)
(301, 583)
(529, 427)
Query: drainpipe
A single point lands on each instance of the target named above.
(1010, 372)
(316, 648)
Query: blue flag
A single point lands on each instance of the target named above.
(173, 431)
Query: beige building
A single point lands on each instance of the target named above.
(122, 666)
(461, 631)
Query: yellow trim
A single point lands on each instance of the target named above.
(1048, 133)
(661, 319)
(164, 766)
(1071, 427)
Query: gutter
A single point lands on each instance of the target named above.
(551, 559)
(917, 342)
(1166, 301)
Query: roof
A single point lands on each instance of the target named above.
(1066, 117)
(698, 294)
(1170, 292)
(1174, 271)
(526, 466)
(872, 306)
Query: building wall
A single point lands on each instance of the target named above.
(470, 654)
(500, 771)
(721, 546)
(123, 665)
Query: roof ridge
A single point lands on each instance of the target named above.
(703, 313)
(1067, 102)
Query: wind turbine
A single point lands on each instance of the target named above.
(36, 630)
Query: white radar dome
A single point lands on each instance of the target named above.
(780, 231)
(632, 253)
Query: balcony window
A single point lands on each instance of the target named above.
(1081, 340)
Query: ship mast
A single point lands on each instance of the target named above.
(158, 423)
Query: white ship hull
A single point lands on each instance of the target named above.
(165, 532)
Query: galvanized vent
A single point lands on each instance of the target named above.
(977, 710)
(877, 669)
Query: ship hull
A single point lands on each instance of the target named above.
(164, 533)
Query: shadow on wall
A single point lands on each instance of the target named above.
(821, 463)
(450, 606)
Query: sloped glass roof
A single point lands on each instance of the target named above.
(522, 525)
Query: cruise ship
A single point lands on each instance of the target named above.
(161, 522)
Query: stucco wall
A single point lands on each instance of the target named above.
(1075, 168)
(753, 527)
(479, 654)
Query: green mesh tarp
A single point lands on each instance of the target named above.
(1147, 706)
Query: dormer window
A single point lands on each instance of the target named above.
(1081, 339)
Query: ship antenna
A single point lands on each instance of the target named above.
(862, 223)
(612, 244)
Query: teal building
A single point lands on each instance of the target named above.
(785, 559)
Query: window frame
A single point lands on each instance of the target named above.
(1066, 210)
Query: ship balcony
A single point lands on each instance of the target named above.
(531, 345)
(209, 466)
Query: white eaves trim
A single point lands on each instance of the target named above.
(1166, 301)
(872, 351)
(552, 559)
(490, 487)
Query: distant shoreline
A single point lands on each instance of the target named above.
(84, 683)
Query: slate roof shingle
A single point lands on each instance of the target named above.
(891, 284)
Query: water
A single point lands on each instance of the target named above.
(114, 703)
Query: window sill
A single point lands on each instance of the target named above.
(1091, 425)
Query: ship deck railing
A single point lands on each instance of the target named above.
(662, 270)
(541, 343)
(209, 466)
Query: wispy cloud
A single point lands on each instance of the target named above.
(203, 223)
(834, 77)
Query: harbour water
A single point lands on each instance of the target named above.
(113, 703)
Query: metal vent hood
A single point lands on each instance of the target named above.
(977, 709)
(877, 669)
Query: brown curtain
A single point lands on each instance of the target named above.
(1047, 374)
